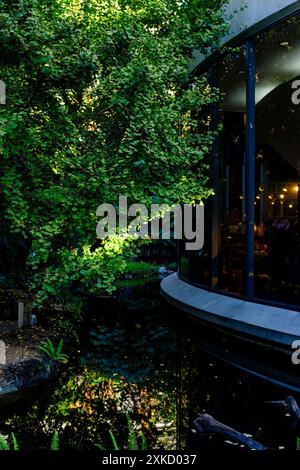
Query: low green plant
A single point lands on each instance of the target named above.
(132, 441)
(3, 443)
(68, 327)
(55, 441)
(14, 442)
(15, 446)
(48, 348)
(140, 268)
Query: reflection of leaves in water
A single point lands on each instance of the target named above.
(128, 367)
(133, 355)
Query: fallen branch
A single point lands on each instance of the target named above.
(206, 424)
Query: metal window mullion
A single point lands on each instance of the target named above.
(250, 168)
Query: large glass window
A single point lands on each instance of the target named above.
(277, 229)
(230, 185)
(222, 263)
(195, 266)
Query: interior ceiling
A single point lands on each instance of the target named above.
(277, 124)
(277, 66)
(277, 62)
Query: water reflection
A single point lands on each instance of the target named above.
(233, 397)
(150, 363)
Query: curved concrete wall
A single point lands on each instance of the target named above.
(244, 14)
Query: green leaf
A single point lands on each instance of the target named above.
(3, 444)
(114, 442)
(14, 441)
(100, 446)
(60, 346)
(55, 441)
(132, 441)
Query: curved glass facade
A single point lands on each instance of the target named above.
(252, 244)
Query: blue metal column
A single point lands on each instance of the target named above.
(250, 168)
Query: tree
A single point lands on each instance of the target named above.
(99, 104)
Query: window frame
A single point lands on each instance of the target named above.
(210, 65)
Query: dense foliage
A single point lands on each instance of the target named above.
(99, 104)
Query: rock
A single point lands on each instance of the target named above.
(163, 270)
(25, 374)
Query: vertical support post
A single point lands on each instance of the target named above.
(178, 390)
(21, 314)
(24, 313)
(250, 169)
(178, 251)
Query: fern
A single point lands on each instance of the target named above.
(48, 348)
(144, 445)
(55, 441)
(15, 446)
(14, 442)
(100, 446)
(3, 444)
(60, 346)
(114, 442)
(132, 441)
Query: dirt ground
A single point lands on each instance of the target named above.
(22, 343)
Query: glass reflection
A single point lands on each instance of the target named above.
(231, 187)
(277, 234)
(195, 266)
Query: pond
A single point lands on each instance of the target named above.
(136, 357)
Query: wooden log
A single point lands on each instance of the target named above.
(206, 424)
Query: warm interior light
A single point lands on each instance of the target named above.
(270, 197)
(273, 203)
(285, 190)
(281, 196)
(296, 188)
(291, 206)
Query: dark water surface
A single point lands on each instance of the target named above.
(137, 357)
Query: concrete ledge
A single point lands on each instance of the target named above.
(268, 323)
